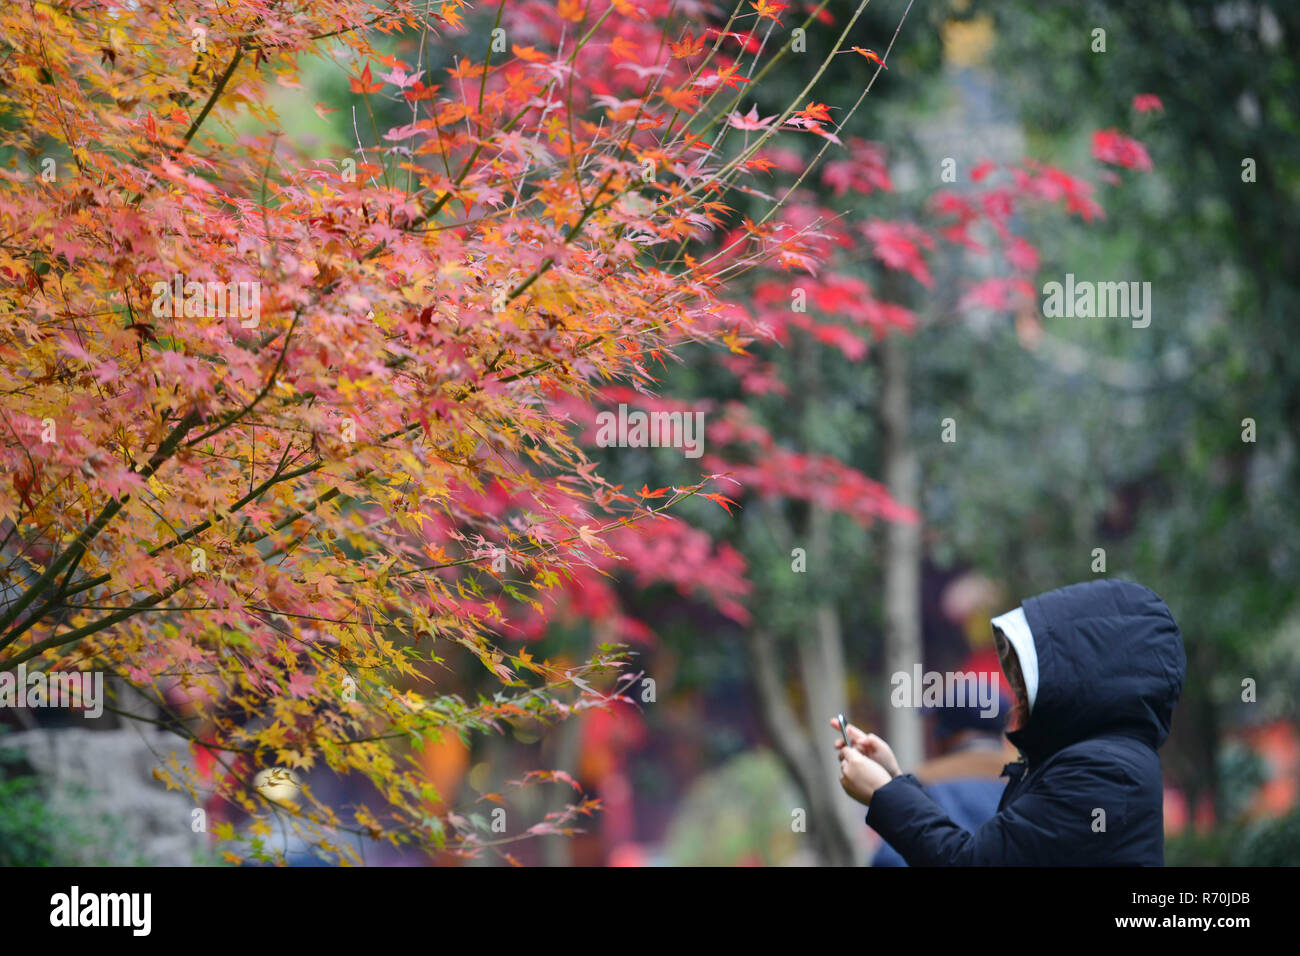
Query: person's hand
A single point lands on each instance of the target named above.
(861, 776)
(869, 745)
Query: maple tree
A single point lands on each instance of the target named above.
(279, 428)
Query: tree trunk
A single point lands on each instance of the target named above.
(567, 738)
(821, 658)
(902, 550)
(806, 746)
(818, 781)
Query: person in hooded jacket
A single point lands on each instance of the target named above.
(1096, 669)
(965, 778)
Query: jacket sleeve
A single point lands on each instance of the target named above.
(1050, 824)
(887, 856)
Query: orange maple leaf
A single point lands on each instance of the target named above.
(688, 46)
(771, 11)
(529, 53)
(727, 77)
(819, 112)
(684, 100)
(870, 55)
(624, 49)
(466, 70)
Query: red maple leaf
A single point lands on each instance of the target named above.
(720, 499)
(1147, 103)
(364, 84)
(1112, 146)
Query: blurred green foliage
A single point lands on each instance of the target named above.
(1274, 842)
(742, 812)
(29, 831)
(38, 830)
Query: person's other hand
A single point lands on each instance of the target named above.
(861, 776)
(869, 745)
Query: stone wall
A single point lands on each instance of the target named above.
(101, 782)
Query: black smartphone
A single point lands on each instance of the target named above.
(844, 728)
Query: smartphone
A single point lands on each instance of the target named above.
(844, 728)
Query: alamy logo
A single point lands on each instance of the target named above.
(684, 430)
(932, 689)
(84, 689)
(103, 909)
(210, 300)
(1099, 300)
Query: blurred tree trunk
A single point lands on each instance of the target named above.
(806, 746)
(567, 740)
(902, 549)
(1206, 783)
(825, 681)
(807, 754)
(822, 665)
(805, 743)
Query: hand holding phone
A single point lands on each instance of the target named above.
(870, 746)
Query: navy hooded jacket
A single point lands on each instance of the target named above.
(967, 801)
(1110, 668)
